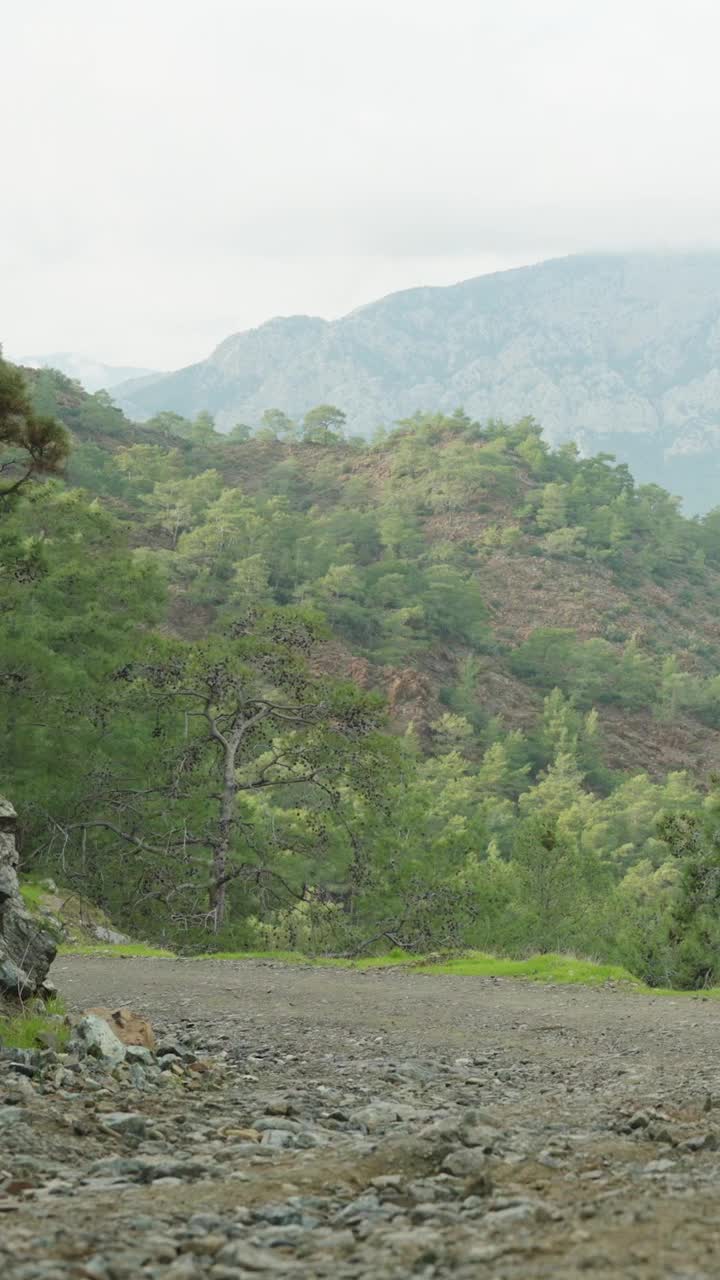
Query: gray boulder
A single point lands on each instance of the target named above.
(126, 1122)
(94, 1037)
(110, 935)
(26, 950)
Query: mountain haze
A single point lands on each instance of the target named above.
(93, 374)
(617, 352)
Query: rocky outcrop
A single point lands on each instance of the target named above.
(26, 950)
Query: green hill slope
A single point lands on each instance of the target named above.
(446, 542)
(543, 631)
(615, 352)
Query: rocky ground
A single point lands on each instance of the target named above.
(314, 1122)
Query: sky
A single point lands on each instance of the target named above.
(179, 170)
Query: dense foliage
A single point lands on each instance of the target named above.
(31, 443)
(198, 634)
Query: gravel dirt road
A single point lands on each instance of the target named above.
(436, 1126)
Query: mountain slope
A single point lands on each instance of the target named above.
(620, 353)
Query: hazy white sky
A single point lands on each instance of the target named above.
(176, 170)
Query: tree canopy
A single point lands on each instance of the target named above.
(281, 688)
(31, 444)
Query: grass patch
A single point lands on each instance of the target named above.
(479, 964)
(116, 949)
(21, 1030)
(547, 968)
(32, 894)
(697, 993)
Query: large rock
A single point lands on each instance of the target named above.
(110, 935)
(93, 1036)
(26, 950)
(131, 1028)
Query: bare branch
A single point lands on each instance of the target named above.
(129, 838)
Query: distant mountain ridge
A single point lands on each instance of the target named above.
(93, 374)
(618, 352)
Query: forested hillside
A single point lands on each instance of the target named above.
(448, 688)
(613, 351)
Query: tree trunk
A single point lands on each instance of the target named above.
(218, 886)
(221, 849)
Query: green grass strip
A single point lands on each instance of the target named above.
(552, 969)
